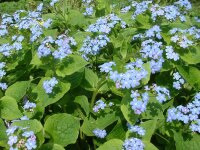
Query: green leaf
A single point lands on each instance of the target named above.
(102, 122)
(90, 80)
(83, 102)
(126, 109)
(187, 142)
(3, 135)
(144, 20)
(76, 18)
(88, 126)
(62, 128)
(58, 92)
(123, 49)
(117, 132)
(75, 79)
(149, 127)
(51, 32)
(149, 146)
(191, 75)
(33, 125)
(147, 67)
(70, 65)
(154, 109)
(9, 109)
(18, 90)
(51, 146)
(191, 56)
(106, 120)
(114, 144)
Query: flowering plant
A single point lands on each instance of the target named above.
(99, 74)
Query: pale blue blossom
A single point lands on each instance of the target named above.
(99, 133)
(133, 144)
(48, 85)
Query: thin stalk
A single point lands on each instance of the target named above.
(163, 137)
(101, 83)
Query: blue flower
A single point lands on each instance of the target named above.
(133, 144)
(99, 133)
(48, 85)
(137, 129)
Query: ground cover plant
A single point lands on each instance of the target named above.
(100, 74)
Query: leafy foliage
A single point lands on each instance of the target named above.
(99, 74)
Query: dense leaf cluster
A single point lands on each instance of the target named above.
(100, 74)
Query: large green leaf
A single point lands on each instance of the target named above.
(154, 109)
(192, 56)
(51, 146)
(191, 75)
(18, 90)
(58, 92)
(90, 80)
(76, 18)
(187, 142)
(149, 127)
(114, 144)
(33, 125)
(75, 79)
(70, 65)
(83, 102)
(3, 136)
(9, 109)
(149, 146)
(62, 128)
(102, 122)
(118, 132)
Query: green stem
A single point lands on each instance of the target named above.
(100, 84)
(162, 137)
(94, 97)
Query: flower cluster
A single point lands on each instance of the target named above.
(178, 81)
(125, 9)
(48, 85)
(187, 114)
(152, 50)
(105, 24)
(135, 72)
(133, 144)
(170, 12)
(100, 105)
(185, 38)
(93, 46)
(7, 48)
(140, 7)
(139, 102)
(155, 31)
(3, 86)
(22, 20)
(63, 45)
(137, 129)
(162, 93)
(89, 9)
(21, 138)
(29, 105)
(99, 133)
(170, 54)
